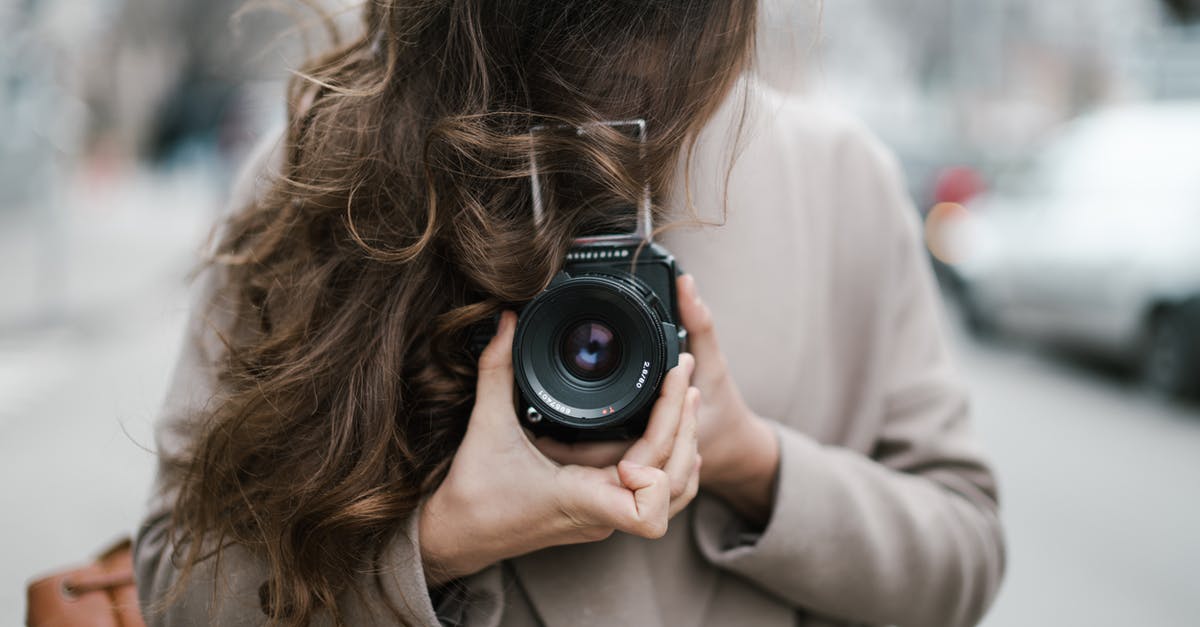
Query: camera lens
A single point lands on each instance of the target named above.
(591, 350)
(589, 353)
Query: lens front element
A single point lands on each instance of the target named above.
(591, 350)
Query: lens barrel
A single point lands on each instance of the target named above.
(590, 353)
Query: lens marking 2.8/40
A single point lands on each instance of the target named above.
(645, 373)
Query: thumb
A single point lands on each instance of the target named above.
(494, 385)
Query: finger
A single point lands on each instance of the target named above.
(595, 454)
(697, 319)
(681, 502)
(654, 447)
(651, 499)
(628, 497)
(683, 456)
(494, 386)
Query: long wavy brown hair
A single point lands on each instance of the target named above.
(401, 218)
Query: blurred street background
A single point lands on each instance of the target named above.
(1053, 149)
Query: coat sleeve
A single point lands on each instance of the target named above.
(907, 533)
(226, 592)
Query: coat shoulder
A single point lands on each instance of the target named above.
(843, 169)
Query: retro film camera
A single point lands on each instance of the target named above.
(591, 350)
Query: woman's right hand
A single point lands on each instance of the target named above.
(503, 498)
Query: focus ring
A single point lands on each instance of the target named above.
(616, 300)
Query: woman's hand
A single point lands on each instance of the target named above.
(503, 498)
(740, 450)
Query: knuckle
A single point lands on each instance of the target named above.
(495, 356)
(661, 454)
(683, 377)
(679, 487)
(704, 324)
(492, 360)
(596, 534)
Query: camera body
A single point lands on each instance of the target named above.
(591, 350)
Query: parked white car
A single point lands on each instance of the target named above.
(1096, 243)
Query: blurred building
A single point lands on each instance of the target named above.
(170, 72)
(138, 79)
(107, 99)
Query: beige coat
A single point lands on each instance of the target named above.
(885, 511)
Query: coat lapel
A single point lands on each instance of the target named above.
(683, 579)
(622, 581)
(591, 585)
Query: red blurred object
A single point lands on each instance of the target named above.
(957, 184)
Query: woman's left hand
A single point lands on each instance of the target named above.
(740, 449)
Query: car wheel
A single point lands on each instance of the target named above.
(1171, 364)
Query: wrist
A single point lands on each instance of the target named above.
(746, 468)
(440, 534)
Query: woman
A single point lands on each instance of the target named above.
(331, 455)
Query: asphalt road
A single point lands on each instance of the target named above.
(86, 348)
(1099, 492)
(1099, 481)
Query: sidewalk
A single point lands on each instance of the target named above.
(85, 360)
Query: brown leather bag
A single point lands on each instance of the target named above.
(101, 594)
